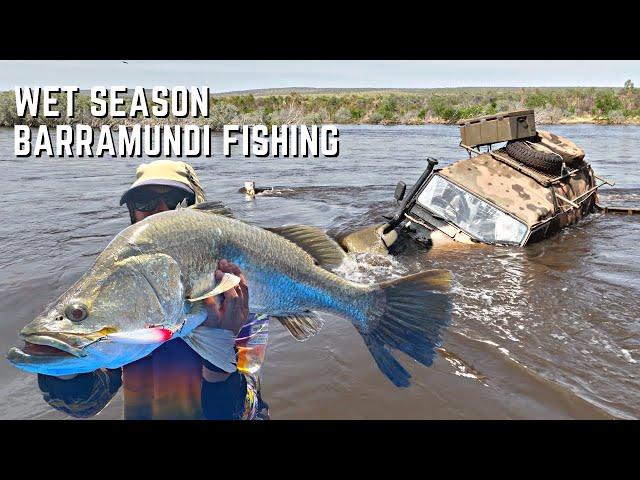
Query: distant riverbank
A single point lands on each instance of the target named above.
(379, 107)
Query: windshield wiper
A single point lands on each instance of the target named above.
(451, 222)
(439, 217)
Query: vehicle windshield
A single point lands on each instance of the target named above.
(470, 213)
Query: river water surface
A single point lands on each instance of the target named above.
(546, 331)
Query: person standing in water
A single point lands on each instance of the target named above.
(174, 382)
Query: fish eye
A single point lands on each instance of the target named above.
(76, 312)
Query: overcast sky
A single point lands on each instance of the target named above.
(226, 75)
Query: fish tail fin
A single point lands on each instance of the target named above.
(407, 314)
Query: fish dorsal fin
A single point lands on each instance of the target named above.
(324, 250)
(301, 325)
(217, 208)
(215, 345)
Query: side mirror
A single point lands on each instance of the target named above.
(401, 187)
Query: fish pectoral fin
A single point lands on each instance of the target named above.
(301, 325)
(324, 250)
(227, 282)
(215, 345)
(216, 208)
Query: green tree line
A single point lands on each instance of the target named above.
(552, 105)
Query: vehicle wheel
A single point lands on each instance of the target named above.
(544, 162)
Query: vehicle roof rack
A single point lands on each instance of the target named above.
(499, 127)
(542, 178)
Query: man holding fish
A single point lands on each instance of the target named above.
(173, 381)
(156, 282)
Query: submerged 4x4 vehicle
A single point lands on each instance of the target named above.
(523, 192)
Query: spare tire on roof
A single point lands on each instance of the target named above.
(572, 154)
(550, 163)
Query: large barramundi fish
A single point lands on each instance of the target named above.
(146, 288)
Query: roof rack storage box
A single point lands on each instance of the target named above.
(499, 127)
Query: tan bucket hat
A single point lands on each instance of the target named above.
(167, 173)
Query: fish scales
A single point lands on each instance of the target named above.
(280, 274)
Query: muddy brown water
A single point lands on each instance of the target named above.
(546, 331)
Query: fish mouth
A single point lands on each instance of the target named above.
(42, 346)
(42, 351)
(51, 347)
(39, 350)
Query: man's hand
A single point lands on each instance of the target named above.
(234, 308)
